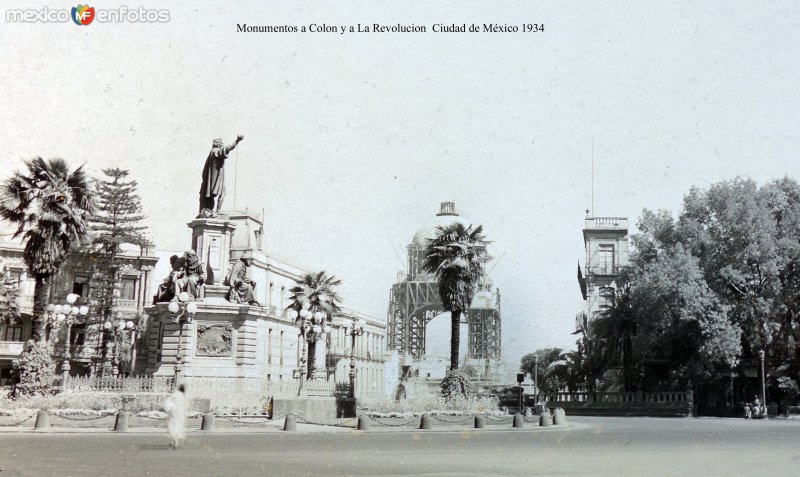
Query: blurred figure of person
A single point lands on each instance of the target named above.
(175, 405)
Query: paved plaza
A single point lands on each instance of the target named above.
(589, 446)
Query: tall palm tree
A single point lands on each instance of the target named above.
(615, 328)
(314, 292)
(456, 255)
(49, 205)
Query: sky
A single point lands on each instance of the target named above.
(352, 140)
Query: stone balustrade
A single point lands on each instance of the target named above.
(661, 403)
(615, 223)
(11, 348)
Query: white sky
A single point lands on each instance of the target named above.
(355, 139)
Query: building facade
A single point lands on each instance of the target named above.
(606, 243)
(92, 346)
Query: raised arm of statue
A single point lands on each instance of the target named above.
(230, 147)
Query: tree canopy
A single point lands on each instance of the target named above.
(713, 285)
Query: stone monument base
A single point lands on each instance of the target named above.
(312, 408)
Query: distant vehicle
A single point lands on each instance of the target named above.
(508, 396)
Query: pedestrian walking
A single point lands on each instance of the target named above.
(175, 405)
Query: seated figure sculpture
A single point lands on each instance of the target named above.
(242, 289)
(166, 290)
(192, 276)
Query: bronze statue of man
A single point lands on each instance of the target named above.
(191, 276)
(242, 289)
(213, 187)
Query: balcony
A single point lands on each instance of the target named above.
(11, 349)
(605, 270)
(25, 303)
(606, 223)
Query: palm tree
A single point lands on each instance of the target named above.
(314, 292)
(456, 256)
(49, 205)
(615, 328)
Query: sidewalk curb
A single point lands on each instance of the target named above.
(301, 429)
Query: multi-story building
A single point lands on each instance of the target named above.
(606, 242)
(90, 342)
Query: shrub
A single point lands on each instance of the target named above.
(87, 401)
(35, 369)
(456, 385)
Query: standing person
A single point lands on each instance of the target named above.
(175, 406)
(212, 188)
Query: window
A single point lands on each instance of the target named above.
(280, 348)
(128, 289)
(16, 276)
(269, 345)
(605, 259)
(13, 333)
(80, 286)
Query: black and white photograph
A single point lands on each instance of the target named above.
(448, 238)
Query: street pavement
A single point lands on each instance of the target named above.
(588, 446)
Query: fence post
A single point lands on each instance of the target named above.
(207, 424)
(121, 423)
(546, 419)
(480, 421)
(290, 424)
(42, 420)
(363, 424)
(425, 422)
(518, 422)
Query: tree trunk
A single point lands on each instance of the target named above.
(41, 294)
(455, 324)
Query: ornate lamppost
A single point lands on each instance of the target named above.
(68, 314)
(356, 330)
(116, 328)
(183, 311)
(763, 380)
(536, 378)
(311, 329)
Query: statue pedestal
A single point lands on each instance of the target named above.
(211, 239)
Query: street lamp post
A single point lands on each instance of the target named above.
(356, 330)
(116, 328)
(311, 329)
(536, 379)
(183, 311)
(763, 380)
(68, 314)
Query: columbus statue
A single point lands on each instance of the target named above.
(212, 190)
